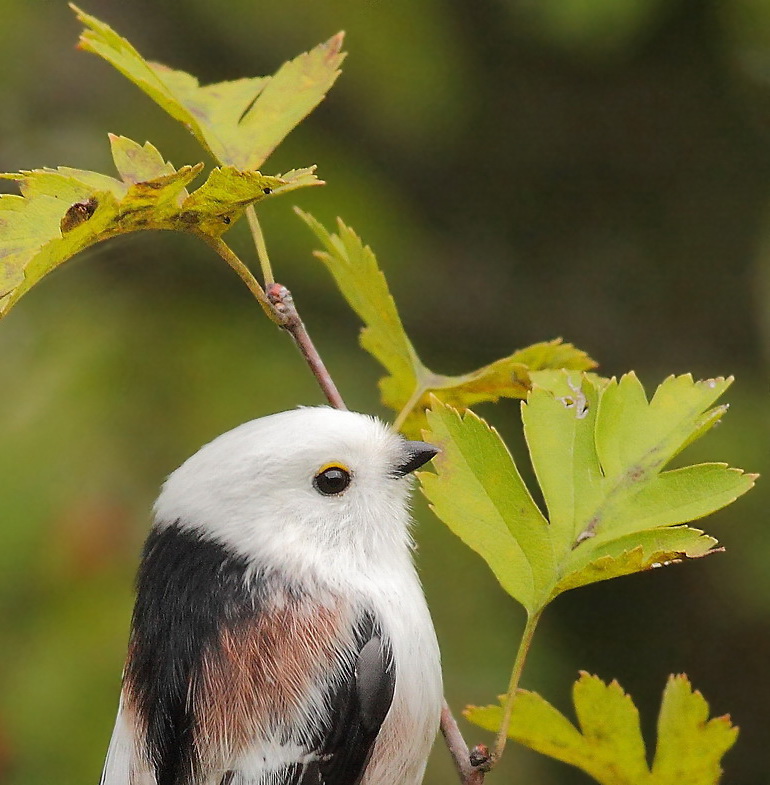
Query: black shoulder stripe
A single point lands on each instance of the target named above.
(186, 587)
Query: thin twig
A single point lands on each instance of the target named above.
(282, 301)
(278, 304)
(458, 749)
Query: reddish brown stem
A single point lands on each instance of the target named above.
(278, 304)
(283, 303)
(470, 773)
(471, 766)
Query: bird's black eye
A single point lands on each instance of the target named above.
(332, 480)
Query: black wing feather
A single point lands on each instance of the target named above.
(359, 708)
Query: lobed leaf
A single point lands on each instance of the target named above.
(62, 211)
(479, 506)
(641, 551)
(608, 746)
(354, 269)
(646, 435)
(690, 745)
(136, 163)
(239, 122)
(410, 383)
(604, 519)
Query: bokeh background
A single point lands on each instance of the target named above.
(525, 169)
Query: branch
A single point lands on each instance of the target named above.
(279, 305)
(471, 766)
(283, 303)
(243, 272)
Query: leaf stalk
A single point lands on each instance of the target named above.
(243, 272)
(261, 246)
(409, 406)
(513, 685)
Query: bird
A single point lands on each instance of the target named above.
(280, 634)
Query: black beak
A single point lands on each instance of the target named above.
(416, 454)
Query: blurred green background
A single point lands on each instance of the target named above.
(595, 169)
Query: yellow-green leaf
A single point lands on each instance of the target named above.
(636, 552)
(690, 745)
(136, 163)
(410, 383)
(32, 242)
(221, 200)
(634, 432)
(480, 506)
(239, 122)
(536, 724)
(354, 269)
(603, 522)
(62, 211)
(607, 744)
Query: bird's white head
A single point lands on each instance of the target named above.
(299, 488)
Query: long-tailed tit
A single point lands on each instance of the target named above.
(280, 635)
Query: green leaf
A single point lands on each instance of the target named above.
(608, 745)
(137, 164)
(493, 497)
(239, 122)
(355, 271)
(62, 211)
(646, 435)
(409, 384)
(690, 746)
(641, 551)
(604, 520)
